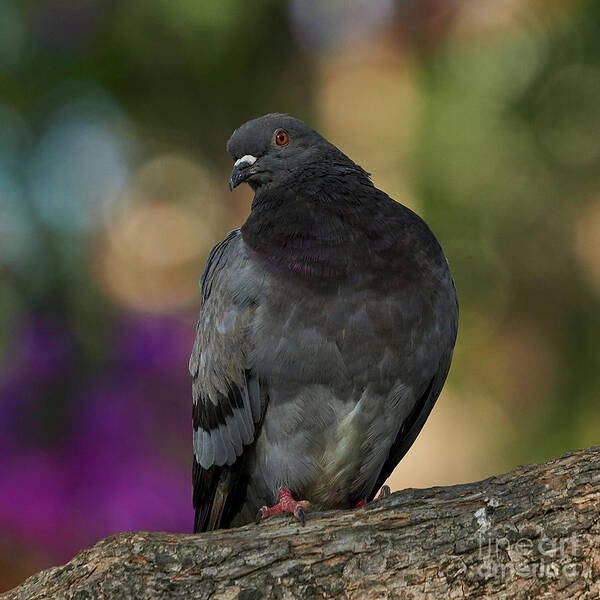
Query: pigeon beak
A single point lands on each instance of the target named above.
(240, 171)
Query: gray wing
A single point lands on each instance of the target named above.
(225, 392)
(413, 423)
(411, 426)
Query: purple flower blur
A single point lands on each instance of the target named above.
(39, 357)
(120, 461)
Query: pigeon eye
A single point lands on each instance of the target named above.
(281, 137)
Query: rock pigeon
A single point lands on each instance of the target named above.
(326, 331)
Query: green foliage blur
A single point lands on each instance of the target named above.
(484, 117)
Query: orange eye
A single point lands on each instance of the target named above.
(281, 137)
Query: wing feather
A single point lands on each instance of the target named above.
(226, 396)
(411, 426)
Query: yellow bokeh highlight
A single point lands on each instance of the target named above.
(150, 255)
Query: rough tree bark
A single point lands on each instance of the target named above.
(533, 533)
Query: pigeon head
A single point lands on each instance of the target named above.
(270, 148)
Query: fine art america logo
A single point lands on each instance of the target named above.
(543, 557)
(537, 556)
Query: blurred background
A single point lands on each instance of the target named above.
(481, 115)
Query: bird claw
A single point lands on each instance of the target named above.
(384, 492)
(299, 514)
(259, 516)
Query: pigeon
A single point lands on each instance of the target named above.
(326, 331)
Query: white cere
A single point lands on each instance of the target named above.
(246, 159)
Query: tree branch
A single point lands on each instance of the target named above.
(532, 533)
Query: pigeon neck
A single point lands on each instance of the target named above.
(303, 235)
(333, 232)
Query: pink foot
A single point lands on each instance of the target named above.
(286, 504)
(384, 493)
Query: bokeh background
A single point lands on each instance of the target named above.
(481, 115)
